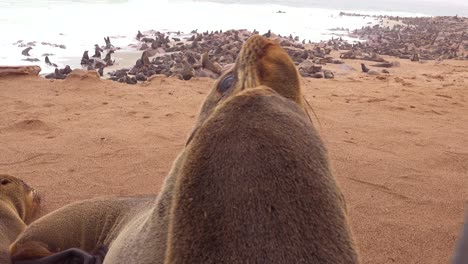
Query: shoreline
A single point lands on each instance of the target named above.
(403, 37)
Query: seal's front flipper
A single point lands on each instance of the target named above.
(69, 256)
(99, 254)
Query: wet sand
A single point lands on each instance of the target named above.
(397, 144)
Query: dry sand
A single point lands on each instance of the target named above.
(397, 143)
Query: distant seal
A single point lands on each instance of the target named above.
(364, 68)
(139, 35)
(56, 75)
(145, 58)
(25, 52)
(85, 58)
(252, 184)
(108, 43)
(66, 70)
(208, 64)
(108, 58)
(97, 51)
(96, 47)
(59, 75)
(47, 61)
(31, 59)
(19, 205)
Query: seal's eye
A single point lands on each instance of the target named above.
(4, 181)
(226, 83)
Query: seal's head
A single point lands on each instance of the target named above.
(261, 62)
(23, 198)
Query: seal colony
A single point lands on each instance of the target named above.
(413, 38)
(19, 206)
(205, 54)
(252, 183)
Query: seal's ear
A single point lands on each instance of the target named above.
(276, 61)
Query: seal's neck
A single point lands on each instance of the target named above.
(11, 224)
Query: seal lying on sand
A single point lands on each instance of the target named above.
(252, 184)
(90, 225)
(19, 205)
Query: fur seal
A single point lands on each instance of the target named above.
(19, 206)
(31, 59)
(67, 70)
(97, 51)
(264, 195)
(208, 64)
(25, 52)
(108, 43)
(85, 58)
(364, 68)
(139, 35)
(47, 61)
(57, 74)
(77, 226)
(108, 58)
(252, 184)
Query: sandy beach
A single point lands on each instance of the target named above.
(397, 145)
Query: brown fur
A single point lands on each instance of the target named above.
(256, 183)
(19, 205)
(131, 227)
(87, 225)
(253, 183)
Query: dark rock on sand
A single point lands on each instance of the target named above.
(19, 70)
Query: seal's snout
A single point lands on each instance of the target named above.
(36, 197)
(33, 199)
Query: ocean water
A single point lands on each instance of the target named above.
(80, 24)
(429, 7)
